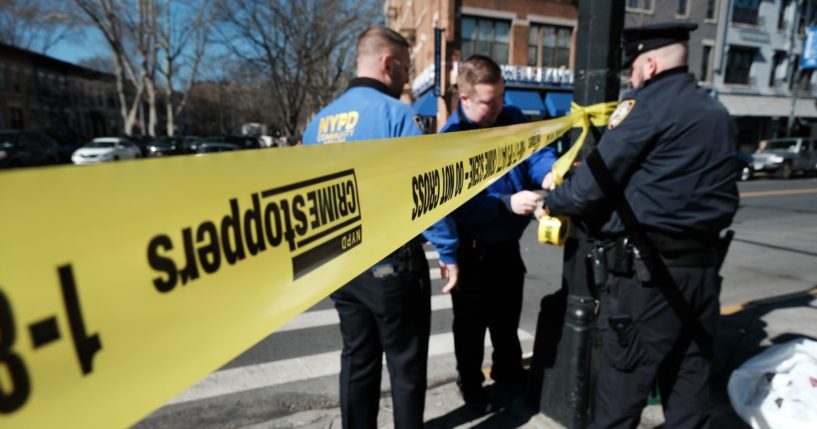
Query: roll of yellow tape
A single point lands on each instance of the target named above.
(553, 230)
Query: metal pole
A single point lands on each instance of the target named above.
(797, 76)
(568, 372)
(796, 82)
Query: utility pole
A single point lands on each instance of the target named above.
(797, 73)
(567, 360)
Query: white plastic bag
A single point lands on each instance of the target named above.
(777, 389)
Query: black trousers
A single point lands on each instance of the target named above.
(488, 296)
(392, 315)
(644, 341)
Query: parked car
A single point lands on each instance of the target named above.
(142, 142)
(212, 147)
(105, 149)
(191, 143)
(787, 156)
(20, 148)
(243, 142)
(746, 166)
(68, 141)
(166, 146)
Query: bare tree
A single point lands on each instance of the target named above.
(36, 25)
(303, 49)
(110, 17)
(144, 31)
(183, 38)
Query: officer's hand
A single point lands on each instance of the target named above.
(541, 212)
(450, 272)
(525, 202)
(548, 183)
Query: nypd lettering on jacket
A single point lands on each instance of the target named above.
(337, 128)
(363, 112)
(319, 219)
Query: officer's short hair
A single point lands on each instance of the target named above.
(374, 40)
(475, 70)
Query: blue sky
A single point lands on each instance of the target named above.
(87, 45)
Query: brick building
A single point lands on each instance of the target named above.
(66, 101)
(532, 40)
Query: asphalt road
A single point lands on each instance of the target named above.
(774, 253)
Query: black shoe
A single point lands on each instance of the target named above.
(476, 400)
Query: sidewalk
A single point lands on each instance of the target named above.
(744, 331)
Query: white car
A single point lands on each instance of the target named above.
(105, 149)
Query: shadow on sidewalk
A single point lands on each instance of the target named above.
(744, 334)
(512, 412)
(740, 336)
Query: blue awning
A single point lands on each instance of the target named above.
(558, 103)
(426, 105)
(529, 102)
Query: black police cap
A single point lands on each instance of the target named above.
(638, 40)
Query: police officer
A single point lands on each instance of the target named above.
(670, 149)
(492, 274)
(388, 307)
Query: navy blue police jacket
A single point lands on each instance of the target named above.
(366, 111)
(488, 216)
(672, 148)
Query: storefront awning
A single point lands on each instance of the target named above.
(529, 102)
(758, 105)
(558, 103)
(426, 105)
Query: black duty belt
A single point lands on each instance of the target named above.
(404, 259)
(649, 265)
(620, 255)
(478, 244)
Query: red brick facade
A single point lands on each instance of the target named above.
(416, 20)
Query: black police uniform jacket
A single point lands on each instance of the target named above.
(673, 149)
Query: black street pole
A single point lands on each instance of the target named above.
(564, 352)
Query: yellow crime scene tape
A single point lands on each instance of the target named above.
(554, 229)
(123, 284)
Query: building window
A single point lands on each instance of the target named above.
(639, 6)
(706, 57)
(711, 9)
(16, 118)
(549, 46)
(18, 80)
(745, 11)
(808, 16)
(683, 8)
(487, 37)
(781, 14)
(777, 65)
(738, 64)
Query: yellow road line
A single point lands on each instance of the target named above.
(784, 192)
(734, 308)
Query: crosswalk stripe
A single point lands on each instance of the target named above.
(314, 319)
(268, 374)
